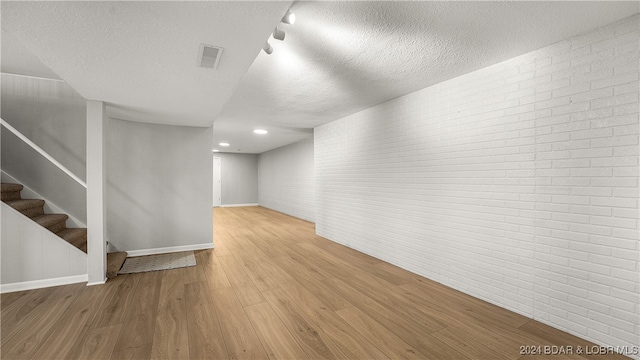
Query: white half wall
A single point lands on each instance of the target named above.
(517, 184)
(32, 256)
(159, 191)
(286, 180)
(239, 178)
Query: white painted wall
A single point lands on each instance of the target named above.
(32, 256)
(159, 192)
(286, 179)
(517, 184)
(52, 115)
(239, 178)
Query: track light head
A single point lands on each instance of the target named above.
(278, 34)
(267, 48)
(289, 18)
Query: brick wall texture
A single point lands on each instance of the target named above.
(517, 183)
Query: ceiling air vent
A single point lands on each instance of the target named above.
(209, 56)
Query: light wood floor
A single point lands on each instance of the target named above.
(270, 289)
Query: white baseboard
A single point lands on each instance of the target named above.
(39, 284)
(170, 249)
(97, 282)
(239, 205)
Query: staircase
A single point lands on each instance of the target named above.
(56, 223)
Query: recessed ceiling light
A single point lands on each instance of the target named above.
(224, 144)
(260, 131)
(215, 150)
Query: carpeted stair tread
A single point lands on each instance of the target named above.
(75, 236)
(29, 207)
(11, 191)
(53, 222)
(114, 263)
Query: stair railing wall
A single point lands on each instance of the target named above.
(55, 162)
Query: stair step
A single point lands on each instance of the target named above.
(114, 263)
(29, 207)
(10, 191)
(75, 236)
(53, 222)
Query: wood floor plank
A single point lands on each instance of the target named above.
(318, 267)
(474, 308)
(504, 342)
(409, 331)
(23, 338)
(6, 299)
(276, 339)
(170, 338)
(194, 274)
(265, 275)
(470, 346)
(315, 343)
(383, 292)
(346, 254)
(205, 335)
(239, 335)
(97, 343)
(390, 273)
(249, 295)
(34, 309)
(212, 269)
(140, 352)
(350, 342)
(388, 342)
(119, 300)
(140, 319)
(235, 271)
(295, 270)
(244, 287)
(316, 299)
(76, 322)
(325, 294)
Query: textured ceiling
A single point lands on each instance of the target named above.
(140, 57)
(338, 58)
(341, 57)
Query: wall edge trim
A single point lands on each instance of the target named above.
(169, 249)
(44, 283)
(239, 205)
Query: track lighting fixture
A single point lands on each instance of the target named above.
(289, 18)
(278, 34)
(267, 48)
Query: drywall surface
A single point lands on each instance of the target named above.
(52, 115)
(239, 178)
(31, 253)
(286, 179)
(159, 191)
(517, 184)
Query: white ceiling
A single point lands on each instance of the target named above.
(338, 58)
(140, 57)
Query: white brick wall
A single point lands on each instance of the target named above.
(285, 180)
(517, 184)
